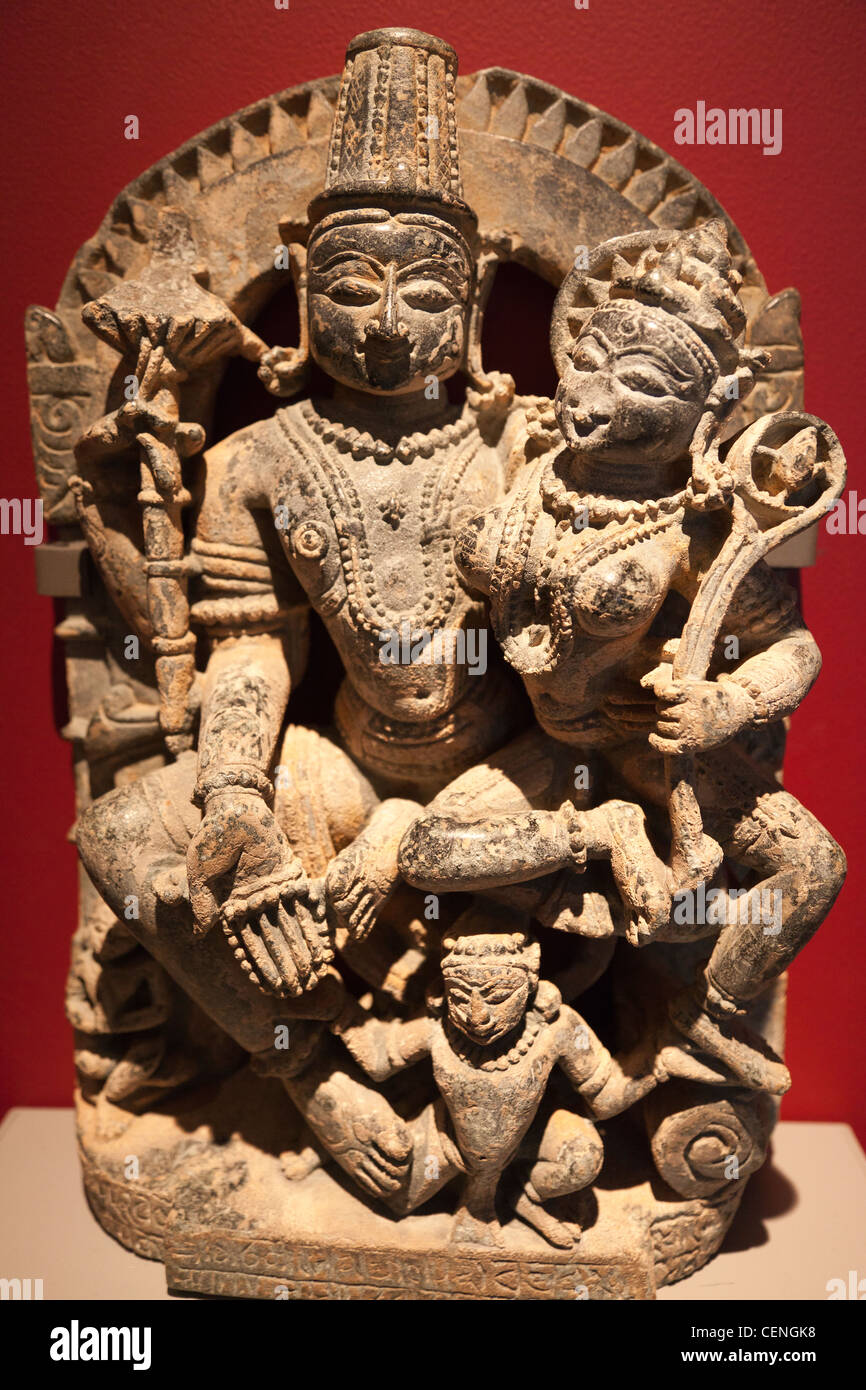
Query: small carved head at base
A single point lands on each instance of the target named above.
(490, 981)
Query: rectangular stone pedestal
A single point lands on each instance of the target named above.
(234, 1265)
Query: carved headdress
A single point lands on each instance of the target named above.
(394, 151)
(394, 139)
(690, 276)
(477, 942)
(687, 274)
(515, 949)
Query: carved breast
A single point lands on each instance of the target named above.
(619, 594)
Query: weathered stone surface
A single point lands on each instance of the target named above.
(465, 978)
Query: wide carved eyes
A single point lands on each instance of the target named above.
(459, 994)
(429, 295)
(500, 996)
(352, 291)
(643, 379)
(646, 383)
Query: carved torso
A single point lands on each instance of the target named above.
(371, 542)
(492, 1100)
(574, 608)
(363, 532)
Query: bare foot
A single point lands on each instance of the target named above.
(468, 1230)
(746, 1054)
(530, 1210)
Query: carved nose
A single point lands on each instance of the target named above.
(478, 1013)
(388, 321)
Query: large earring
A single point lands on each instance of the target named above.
(491, 393)
(284, 370)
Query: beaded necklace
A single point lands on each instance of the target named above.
(515, 603)
(335, 484)
(348, 439)
(476, 1055)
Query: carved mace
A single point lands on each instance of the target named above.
(171, 328)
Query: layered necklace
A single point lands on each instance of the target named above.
(458, 442)
(597, 509)
(348, 439)
(535, 643)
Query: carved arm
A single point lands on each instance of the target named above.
(383, 1048)
(608, 1084)
(246, 690)
(440, 854)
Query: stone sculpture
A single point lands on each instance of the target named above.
(330, 979)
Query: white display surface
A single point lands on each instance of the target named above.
(802, 1223)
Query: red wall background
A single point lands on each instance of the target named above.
(69, 76)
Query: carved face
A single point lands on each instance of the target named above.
(388, 303)
(635, 387)
(486, 1002)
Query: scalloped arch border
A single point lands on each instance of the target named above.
(494, 101)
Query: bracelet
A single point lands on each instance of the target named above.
(576, 836)
(247, 778)
(760, 713)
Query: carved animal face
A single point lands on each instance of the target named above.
(635, 387)
(486, 1002)
(388, 304)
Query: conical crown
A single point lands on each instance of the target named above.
(394, 139)
(693, 278)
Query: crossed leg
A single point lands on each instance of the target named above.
(569, 1158)
(133, 842)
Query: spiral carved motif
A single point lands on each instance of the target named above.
(699, 1149)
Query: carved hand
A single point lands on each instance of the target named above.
(695, 715)
(113, 434)
(278, 934)
(238, 831)
(274, 915)
(356, 891)
(362, 877)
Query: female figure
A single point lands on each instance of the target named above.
(590, 566)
